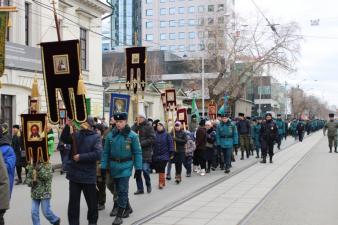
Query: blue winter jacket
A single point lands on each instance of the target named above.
(226, 135)
(89, 147)
(10, 160)
(163, 146)
(122, 145)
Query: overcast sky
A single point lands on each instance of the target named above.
(318, 63)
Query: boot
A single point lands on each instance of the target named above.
(242, 157)
(247, 154)
(271, 159)
(114, 210)
(128, 211)
(101, 207)
(330, 150)
(257, 157)
(264, 160)
(233, 158)
(178, 179)
(118, 219)
(335, 150)
(161, 180)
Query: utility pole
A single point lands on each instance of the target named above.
(203, 95)
(286, 103)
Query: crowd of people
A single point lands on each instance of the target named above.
(97, 156)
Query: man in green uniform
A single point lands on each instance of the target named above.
(332, 127)
(281, 129)
(122, 151)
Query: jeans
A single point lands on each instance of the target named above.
(146, 172)
(187, 163)
(47, 212)
(227, 152)
(122, 188)
(2, 213)
(89, 191)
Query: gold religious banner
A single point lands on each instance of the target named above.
(3, 34)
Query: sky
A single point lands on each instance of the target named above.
(317, 67)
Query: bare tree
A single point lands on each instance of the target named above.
(239, 54)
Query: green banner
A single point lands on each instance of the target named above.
(3, 31)
(88, 106)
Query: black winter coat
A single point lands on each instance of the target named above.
(269, 131)
(180, 138)
(89, 147)
(147, 136)
(17, 144)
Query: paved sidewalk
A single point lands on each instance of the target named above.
(231, 201)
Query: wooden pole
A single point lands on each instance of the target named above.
(57, 25)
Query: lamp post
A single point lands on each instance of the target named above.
(203, 94)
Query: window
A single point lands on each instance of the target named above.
(220, 7)
(211, 34)
(83, 46)
(220, 20)
(211, 8)
(163, 36)
(172, 11)
(172, 36)
(181, 23)
(211, 46)
(149, 37)
(201, 8)
(149, 1)
(192, 48)
(192, 35)
(149, 24)
(191, 22)
(149, 12)
(172, 23)
(210, 21)
(201, 47)
(163, 11)
(201, 21)
(181, 35)
(220, 33)
(181, 48)
(172, 48)
(164, 48)
(200, 34)
(27, 23)
(163, 24)
(191, 9)
(181, 10)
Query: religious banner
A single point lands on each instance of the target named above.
(182, 116)
(119, 103)
(34, 131)
(170, 95)
(212, 110)
(62, 72)
(3, 35)
(136, 61)
(163, 99)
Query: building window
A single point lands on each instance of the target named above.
(201, 8)
(181, 10)
(191, 9)
(172, 36)
(163, 11)
(181, 48)
(27, 22)
(163, 36)
(83, 46)
(220, 20)
(164, 48)
(211, 8)
(172, 11)
(172, 48)
(163, 24)
(191, 22)
(192, 35)
(210, 21)
(149, 24)
(201, 21)
(181, 23)
(201, 34)
(172, 23)
(211, 34)
(220, 7)
(149, 12)
(149, 1)
(192, 48)
(201, 47)
(181, 35)
(149, 37)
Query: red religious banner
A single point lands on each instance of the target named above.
(212, 110)
(170, 95)
(182, 116)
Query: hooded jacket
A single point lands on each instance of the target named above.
(163, 146)
(4, 185)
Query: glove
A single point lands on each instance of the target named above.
(137, 174)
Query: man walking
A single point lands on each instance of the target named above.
(244, 129)
(122, 151)
(86, 150)
(146, 134)
(281, 129)
(331, 126)
(268, 136)
(226, 138)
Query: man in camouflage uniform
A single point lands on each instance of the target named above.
(332, 127)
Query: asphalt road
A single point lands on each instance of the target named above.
(143, 205)
(308, 196)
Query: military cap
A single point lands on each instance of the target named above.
(240, 114)
(248, 118)
(331, 115)
(16, 126)
(268, 114)
(121, 116)
(279, 114)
